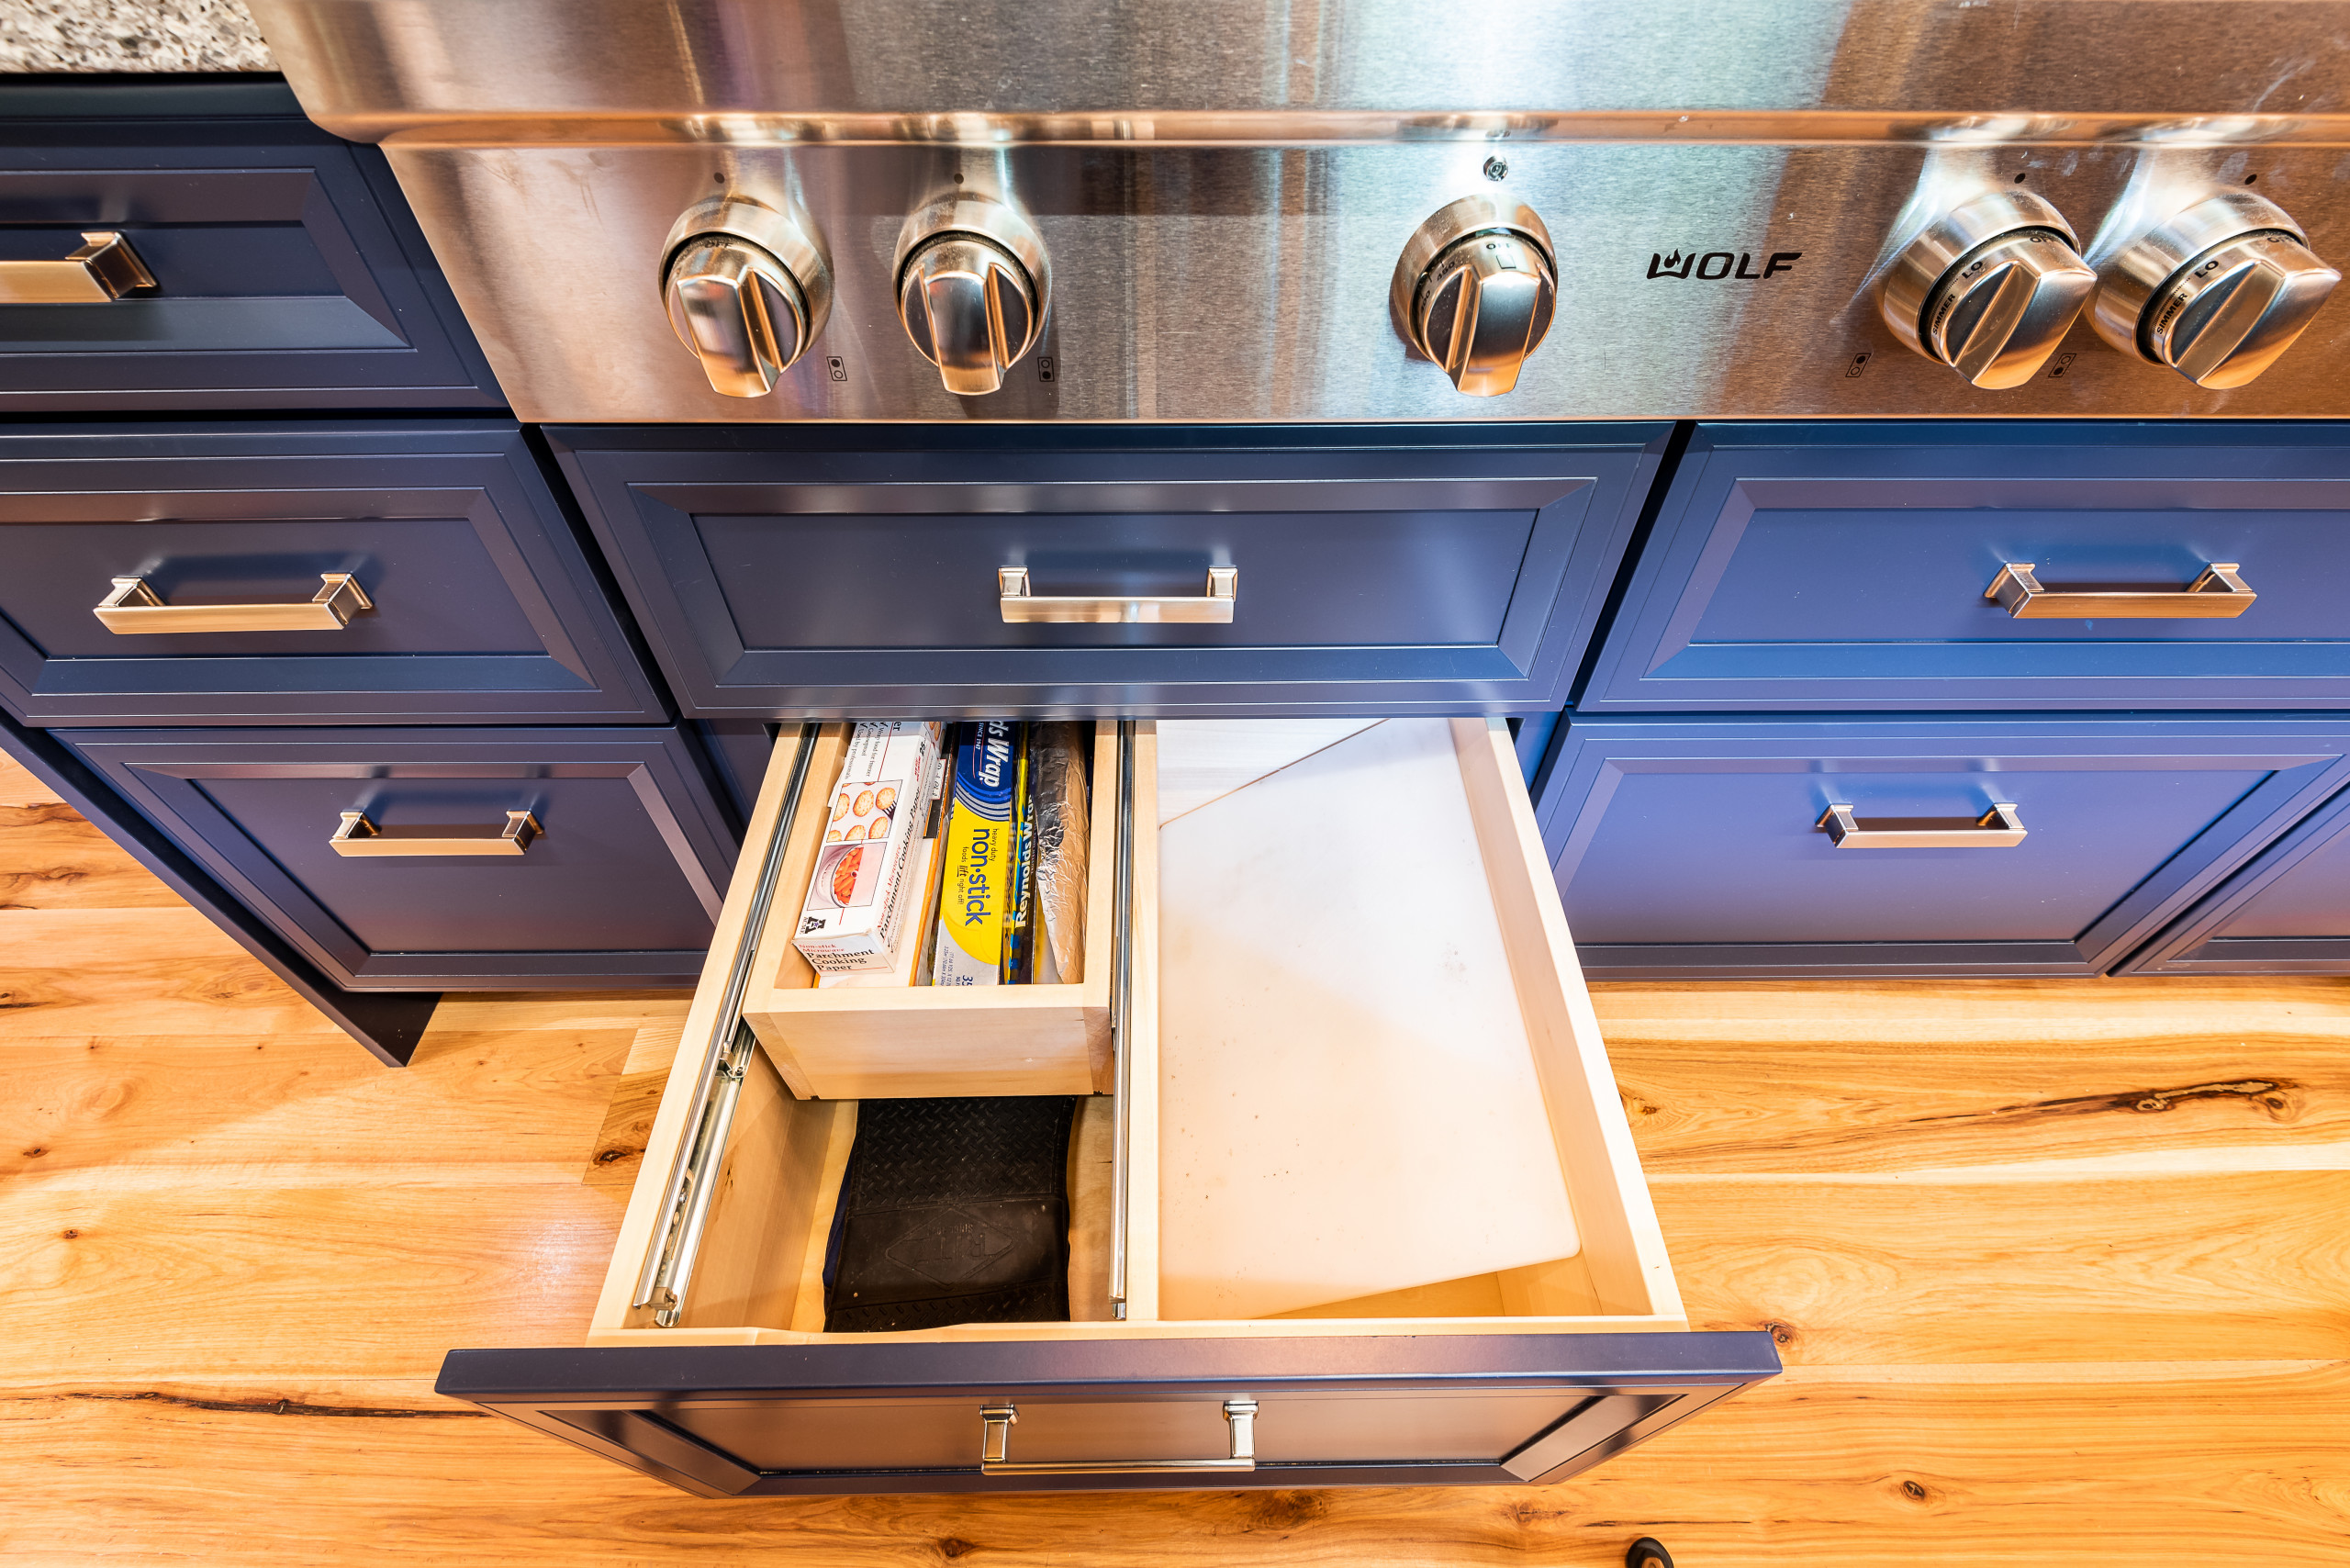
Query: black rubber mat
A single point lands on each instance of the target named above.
(953, 1211)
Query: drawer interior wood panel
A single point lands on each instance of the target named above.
(1699, 848)
(1528, 1374)
(857, 572)
(287, 270)
(1846, 567)
(2287, 913)
(618, 885)
(478, 601)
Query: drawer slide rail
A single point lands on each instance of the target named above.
(693, 1180)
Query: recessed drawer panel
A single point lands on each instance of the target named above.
(871, 572)
(1909, 566)
(2287, 913)
(404, 572)
(1954, 847)
(711, 1364)
(417, 860)
(261, 262)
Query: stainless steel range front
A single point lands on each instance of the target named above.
(738, 210)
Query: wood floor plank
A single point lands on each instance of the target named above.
(230, 1110)
(1872, 1104)
(2154, 1269)
(1845, 1467)
(230, 994)
(373, 1281)
(19, 787)
(75, 938)
(52, 858)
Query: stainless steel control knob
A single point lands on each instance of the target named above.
(2217, 293)
(1990, 288)
(1474, 291)
(972, 290)
(747, 289)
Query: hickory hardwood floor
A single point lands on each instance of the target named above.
(2061, 1272)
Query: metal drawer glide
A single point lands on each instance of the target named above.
(693, 1180)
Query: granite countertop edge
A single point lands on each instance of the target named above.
(89, 36)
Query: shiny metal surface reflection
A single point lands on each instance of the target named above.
(1224, 187)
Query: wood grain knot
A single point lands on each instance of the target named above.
(950, 1548)
(2276, 1098)
(1284, 1510)
(266, 1406)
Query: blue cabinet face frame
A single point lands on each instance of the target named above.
(1695, 849)
(483, 602)
(854, 571)
(620, 887)
(288, 272)
(2288, 912)
(1817, 567)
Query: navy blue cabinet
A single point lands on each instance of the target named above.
(286, 271)
(784, 571)
(479, 602)
(1846, 567)
(1700, 849)
(2288, 912)
(615, 880)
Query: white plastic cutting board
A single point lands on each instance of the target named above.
(1348, 1101)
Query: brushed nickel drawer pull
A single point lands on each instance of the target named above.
(359, 836)
(105, 268)
(135, 607)
(2217, 595)
(1998, 828)
(1216, 605)
(995, 1435)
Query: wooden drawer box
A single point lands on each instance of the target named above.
(731, 1387)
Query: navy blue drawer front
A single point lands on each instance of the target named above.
(1373, 1410)
(621, 888)
(1695, 849)
(855, 571)
(2288, 912)
(287, 270)
(484, 603)
(1827, 567)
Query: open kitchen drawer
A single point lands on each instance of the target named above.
(707, 1363)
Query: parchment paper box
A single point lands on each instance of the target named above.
(855, 915)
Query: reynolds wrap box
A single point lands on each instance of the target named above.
(854, 917)
(976, 890)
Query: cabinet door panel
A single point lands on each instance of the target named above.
(1845, 567)
(620, 886)
(287, 270)
(2288, 912)
(1697, 849)
(481, 602)
(855, 571)
(1405, 1410)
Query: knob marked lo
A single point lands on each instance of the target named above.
(2218, 293)
(1989, 288)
